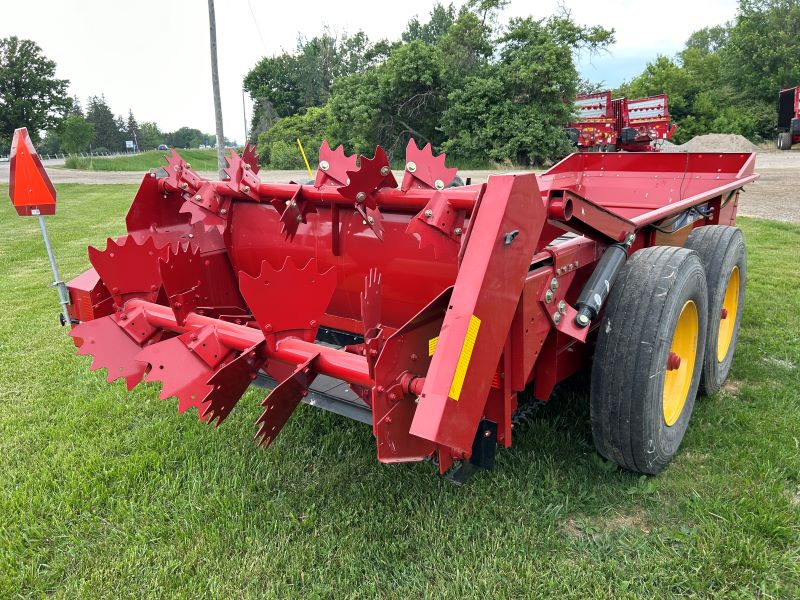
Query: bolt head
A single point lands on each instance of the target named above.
(554, 284)
(246, 189)
(438, 184)
(299, 218)
(188, 165)
(385, 170)
(198, 197)
(324, 165)
(548, 296)
(361, 196)
(457, 230)
(223, 211)
(583, 319)
(562, 307)
(370, 220)
(246, 167)
(429, 213)
(411, 166)
(556, 318)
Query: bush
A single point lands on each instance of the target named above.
(283, 155)
(311, 127)
(76, 162)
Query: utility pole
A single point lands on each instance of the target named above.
(244, 117)
(212, 27)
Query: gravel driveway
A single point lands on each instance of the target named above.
(773, 196)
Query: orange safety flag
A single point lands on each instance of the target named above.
(30, 188)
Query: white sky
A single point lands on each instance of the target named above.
(152, 56)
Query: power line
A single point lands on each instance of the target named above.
(258, 29)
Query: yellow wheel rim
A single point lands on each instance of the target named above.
(727, 318)
(680, 365)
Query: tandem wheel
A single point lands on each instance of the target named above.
(649, 358)
(721, 249)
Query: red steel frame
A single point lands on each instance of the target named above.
(463, 296)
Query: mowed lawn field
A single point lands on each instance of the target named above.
(201, 160)
(106, 493)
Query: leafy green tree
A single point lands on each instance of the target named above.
(450, 82)
(516, 110)
(188, 137)
(30, 93)
(399, 99)
(150, 136)
(290, 83)
(50, 144)
(274, 80)
(107, 130)
(726, 78)
(278, 146)
(438, 24)
(132, 131)
(465, 47)
(356, 111)
(76, 134)
(762, 50)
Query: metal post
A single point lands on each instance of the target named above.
(61, 287)
(244, 117)
(212, 27)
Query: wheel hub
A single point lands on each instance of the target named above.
(680, 363)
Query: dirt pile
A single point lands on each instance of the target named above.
(713, 142)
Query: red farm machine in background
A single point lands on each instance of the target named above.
(608, 125)
(642, 123)
(429, 311)
(594, 127)
(788, 118)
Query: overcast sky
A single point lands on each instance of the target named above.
(152, 55)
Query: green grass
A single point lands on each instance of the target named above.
(201, 160)
(105, 493)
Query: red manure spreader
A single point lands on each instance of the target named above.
(788, 118)
(429, 310)
(595, 127)
(608, 125)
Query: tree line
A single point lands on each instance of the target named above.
(727, 78)
(32, 96)
(486, 91)
(481, 90)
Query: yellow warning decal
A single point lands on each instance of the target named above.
(432, 345)
(464, 358)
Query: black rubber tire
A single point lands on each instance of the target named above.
(720, 248)
(630, 358)
(784, 141)
(457, 182)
